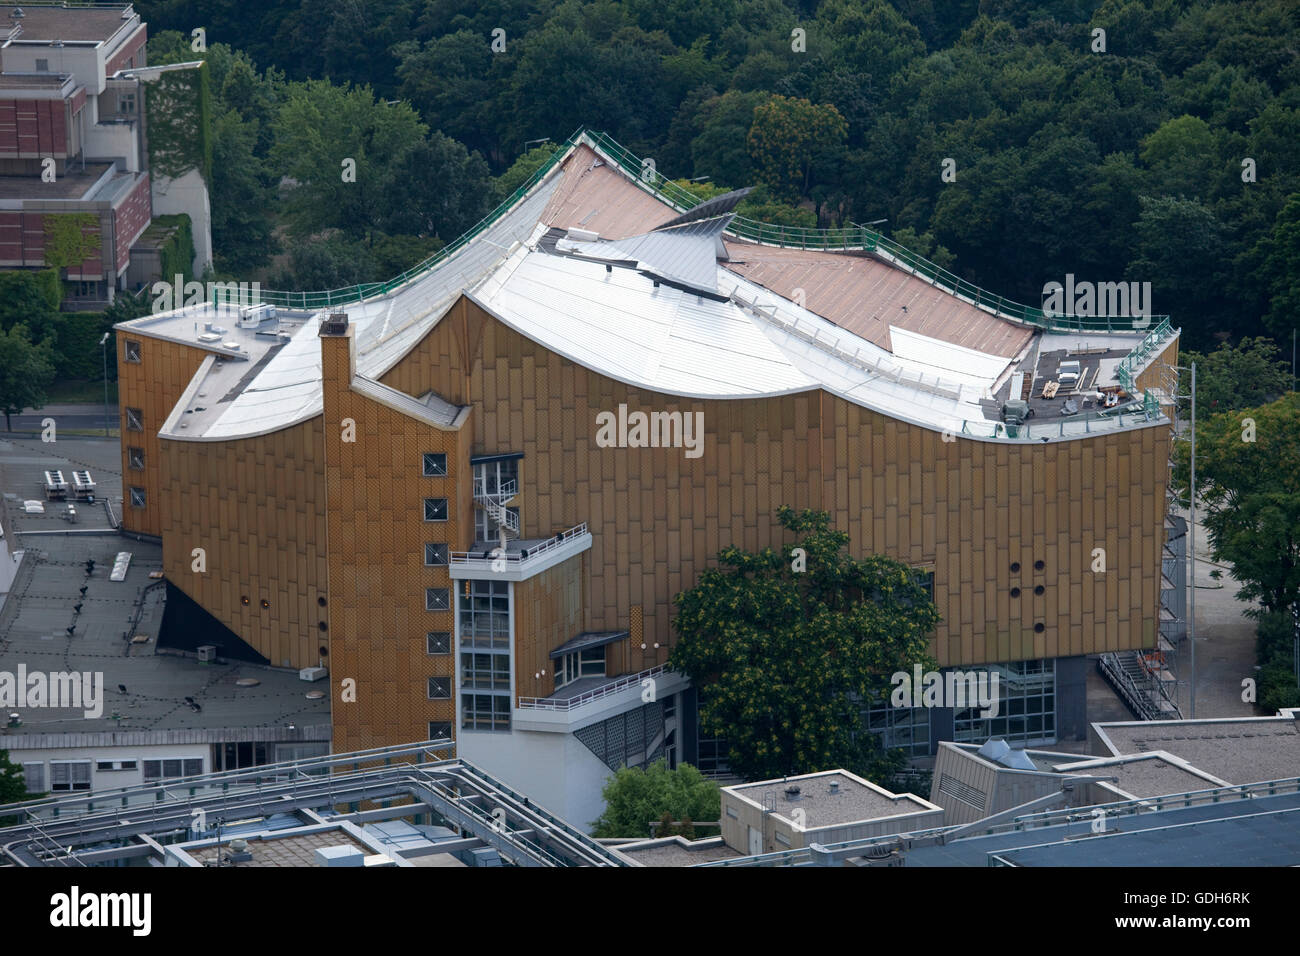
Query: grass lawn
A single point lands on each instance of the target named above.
(74, 391)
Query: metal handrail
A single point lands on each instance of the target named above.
(1045, 818)
(313, 301)
(852, 238)
(519, 557)
(591, 696)
(859, 238)
(505, 490)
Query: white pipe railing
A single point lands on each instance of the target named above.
(591, 696)
(519, 557)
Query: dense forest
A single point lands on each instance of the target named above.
(1015, 142)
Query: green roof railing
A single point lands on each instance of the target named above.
(842, 239)
(855, 238)
(314, 301)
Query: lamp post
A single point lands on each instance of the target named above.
(103, 347)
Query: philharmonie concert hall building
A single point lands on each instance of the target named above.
(350, 463)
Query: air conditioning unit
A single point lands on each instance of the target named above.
(207, 653)
(313, 673)
(251, 316)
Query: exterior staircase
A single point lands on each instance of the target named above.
(494, 502)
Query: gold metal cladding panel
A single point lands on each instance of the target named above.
(255, 507)
(153, 385)
(548, 611)
(658, 517)
(377, 532)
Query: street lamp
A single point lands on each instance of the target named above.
(103, 347)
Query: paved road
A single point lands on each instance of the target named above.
(65, 416)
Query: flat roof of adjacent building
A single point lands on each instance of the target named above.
(74, 183)
(80, 24)
(1146, 775)
(677, 851)
(32, 81)
(1239, 750)
(292, 849)
(856, 800)
(1206, 838)
(35, 617)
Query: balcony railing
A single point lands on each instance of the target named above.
(524, 555)
(591, 696)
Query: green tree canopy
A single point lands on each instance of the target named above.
(786, 660)
(635, 798)
(1278, 272)
(71, 239)
(319, 129)
(1249, 496)
(519, 171)
(1231, 377)
(13, 789)
(26, 370)
(792, 141)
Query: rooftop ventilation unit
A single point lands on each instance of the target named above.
(313, 673)
(55, 485)
(251, 316)
(835, 786)
(209, 337)
(207, 653)
(333, 856)
(792, 793)
(233, 346)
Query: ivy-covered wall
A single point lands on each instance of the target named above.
(178, 111)
(177, 254)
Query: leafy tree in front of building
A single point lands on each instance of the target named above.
(635, 798)
(1248, 491)
(1244, 375)
(26, 371)
(785, 659)
(1275, 652)
(13, 789)
(70, 240)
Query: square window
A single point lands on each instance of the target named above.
(435, 555)
(132, 349)
(439, 730)
(135, 459)
(439, 688)
(134, 420)
(137, 498)
(438, 642)
(435, 509)
(435, 465)
(42, 66)
(437, 599)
